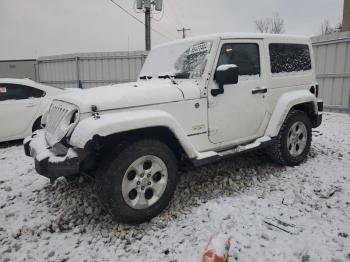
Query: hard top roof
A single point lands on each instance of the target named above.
(230, 35)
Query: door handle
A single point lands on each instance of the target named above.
(259, 90)
(30, 105)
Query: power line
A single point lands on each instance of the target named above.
(176, 13)
(159, 19)
(140, 21)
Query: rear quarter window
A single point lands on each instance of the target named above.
(288, 58)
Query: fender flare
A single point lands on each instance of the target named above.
(284, 105)
(117, 122)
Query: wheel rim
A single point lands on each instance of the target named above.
(297, 139)
(144, 182)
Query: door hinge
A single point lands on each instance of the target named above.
(212, 103)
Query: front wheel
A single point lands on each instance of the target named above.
(293, 141)
(37, 124)
(137, 181)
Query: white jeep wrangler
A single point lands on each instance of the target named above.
(196, 101)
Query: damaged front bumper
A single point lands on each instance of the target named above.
(49, 164)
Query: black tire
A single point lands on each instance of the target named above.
(37, 124)
(109, 178)
(279, 152)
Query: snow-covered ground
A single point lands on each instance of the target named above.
(271, 213)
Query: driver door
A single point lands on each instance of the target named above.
(238, 114)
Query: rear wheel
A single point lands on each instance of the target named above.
(138, 181)
(293, 141)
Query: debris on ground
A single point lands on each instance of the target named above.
(217, 249)
(327, 192)
(286, 227)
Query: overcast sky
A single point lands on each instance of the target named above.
(33, 28)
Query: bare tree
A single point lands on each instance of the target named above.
(263, 25)
(277, 24)
(274, 25)
(327, 28)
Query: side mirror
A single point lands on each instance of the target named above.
(225, 75)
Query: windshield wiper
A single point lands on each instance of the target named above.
(183, 75)
(145, 77)
(165, 76)
(168, 77)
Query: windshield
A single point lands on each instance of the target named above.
(181, 60)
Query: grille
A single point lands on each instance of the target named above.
(55, 116)
(58, 120)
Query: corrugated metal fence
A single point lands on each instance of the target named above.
(86, 70)
(332, 56)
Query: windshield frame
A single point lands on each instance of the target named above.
(172, 53)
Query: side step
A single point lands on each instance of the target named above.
(205, 158)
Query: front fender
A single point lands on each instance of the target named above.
(117, 122)
(283, 106)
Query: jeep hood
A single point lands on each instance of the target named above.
(132, 94)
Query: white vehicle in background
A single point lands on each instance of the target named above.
(197, 101)
(22, 104)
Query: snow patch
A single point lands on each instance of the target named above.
(64, 222)
(225, 67)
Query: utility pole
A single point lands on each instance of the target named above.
(148, 24)
(147, 6)
(183, 30)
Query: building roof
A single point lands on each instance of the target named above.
(17, 60)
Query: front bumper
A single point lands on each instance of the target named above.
(46, 162)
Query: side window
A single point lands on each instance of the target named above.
(286, 58)
(34, 92)
(245, 56)
(18, 92)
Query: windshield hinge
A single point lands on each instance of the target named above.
(212, 103)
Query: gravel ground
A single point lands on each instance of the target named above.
(271, 213)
